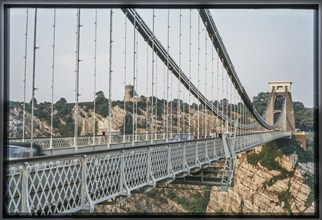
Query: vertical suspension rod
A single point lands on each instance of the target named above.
(94, 76)
(198, 85)
(222, 95)
(77, 79)
(227, 104)
(152, 96)
(124, 108)
(168, 46)
(179, 86)
(217, 95)
(135, 93)
(189, 110)
(134, 78)
(164, 102)
(206, 82)
(156, 96)
(33, 85)
(147, 92)
(212, 80)
(52, 82)
(110, 81)
(234, 106)
(230, 104)
(25, 77)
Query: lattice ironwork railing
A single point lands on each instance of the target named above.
(68, 184)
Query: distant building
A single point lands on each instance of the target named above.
(128, 93)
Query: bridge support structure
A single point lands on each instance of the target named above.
(281, 90)
(221, 176)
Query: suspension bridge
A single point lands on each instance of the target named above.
(209, 106)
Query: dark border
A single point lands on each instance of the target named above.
(235, 4)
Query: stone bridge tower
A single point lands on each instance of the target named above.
(280, 94)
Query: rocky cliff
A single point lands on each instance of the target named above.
(252, 194)
(15, 125)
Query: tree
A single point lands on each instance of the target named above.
(260, 102)
(101, 104)
(299, 111)
(128, 124)
(61, 102)
(298, 106)
(100, 94)
(35, 101)
(307, 122)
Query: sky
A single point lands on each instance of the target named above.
(263, 44)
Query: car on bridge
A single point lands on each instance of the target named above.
(182, 137)
(18, 150)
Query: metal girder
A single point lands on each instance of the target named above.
(222, 52)
(165, 57)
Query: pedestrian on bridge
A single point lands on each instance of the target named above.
(213, 133)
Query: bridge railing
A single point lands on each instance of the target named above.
(72, 182)
(62, 142)
(245, 142)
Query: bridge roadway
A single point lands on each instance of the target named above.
(65, 145)
(63, 184)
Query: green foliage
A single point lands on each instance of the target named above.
(157, 196)
(141, 124)
(101, 105)
(253, 159)
(284, 174)
(299, 111)
(100, 94)
(260, 102)
(284, 196)
(61, 102)
(289, 146)
(35, 101)
(118, 103)
(266, 157)
(309, 181)
(198, 204)
(307, 121)
(310, 142)
(220, 211)
(128, 125)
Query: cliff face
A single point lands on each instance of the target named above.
(86, 122)
(15, 126)
(252, 194)
(170, 199)
(86, 119)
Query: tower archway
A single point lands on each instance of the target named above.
(281, 97)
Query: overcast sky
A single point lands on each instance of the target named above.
(264, 45)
